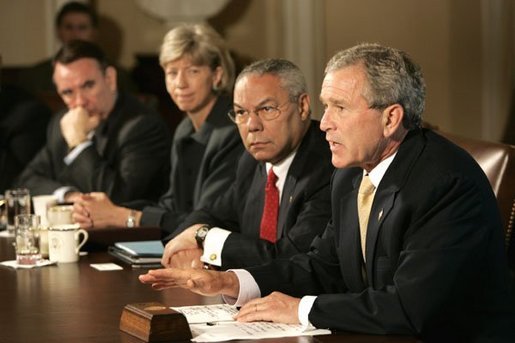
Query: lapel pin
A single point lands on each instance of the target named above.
(291, 199)
(380, 215)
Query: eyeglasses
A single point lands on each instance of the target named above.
(264, 112)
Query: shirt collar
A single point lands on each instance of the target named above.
(376, 174)
(217, 117)
(281, 170)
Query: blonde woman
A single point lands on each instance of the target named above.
(199, 75)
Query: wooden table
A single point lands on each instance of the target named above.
(75, 303)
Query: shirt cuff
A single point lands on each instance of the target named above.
(213, 246)
(249, 289)
(60, 192)
(305, 305)
(72, 155)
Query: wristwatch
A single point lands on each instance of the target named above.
(200, 235)
(131, 219)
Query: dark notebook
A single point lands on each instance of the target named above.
(142, 254)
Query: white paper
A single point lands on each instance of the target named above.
(208, 313)
(224, 331)
(106, 266)
(211, 323)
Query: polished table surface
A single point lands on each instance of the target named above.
(74, 302)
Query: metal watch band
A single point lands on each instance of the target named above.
(131, 219)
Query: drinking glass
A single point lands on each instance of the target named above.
(3, 218)
(17, 201)
(27, 238)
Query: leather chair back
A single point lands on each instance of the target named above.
(498, 162)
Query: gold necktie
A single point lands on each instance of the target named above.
(365, 198)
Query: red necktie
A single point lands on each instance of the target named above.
(268, 229)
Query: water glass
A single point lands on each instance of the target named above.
(17, 201)
(27, 238)
(3, 218)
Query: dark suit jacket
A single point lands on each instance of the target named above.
(23, 121)
(304, 211)
(127, 161)
(217, 169)
(435, 260)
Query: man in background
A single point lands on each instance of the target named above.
(105, 141)
(22, 118)
(75, 20)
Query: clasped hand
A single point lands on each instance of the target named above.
(182, 251)
(95, 210)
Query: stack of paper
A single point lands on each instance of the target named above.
(213, 323)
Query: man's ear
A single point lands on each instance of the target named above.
(304, 106)
(392, 119)
(110, 76)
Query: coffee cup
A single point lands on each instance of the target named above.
(41, 205)
(60, 215)
(64, 243)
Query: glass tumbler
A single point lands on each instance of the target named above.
(27, 238)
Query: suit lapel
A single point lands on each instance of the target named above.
(183, 130)
(382, 205)
(297, 168)
(255, 200)
(286, 201)
(111, 126)
(100, 142)
(384, 200)
(216, 119)
(350, 239)
(207, 131)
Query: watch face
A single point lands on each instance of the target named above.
(200, 236)
(202, 232)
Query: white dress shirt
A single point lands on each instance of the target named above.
(60, 192)
(216, 237)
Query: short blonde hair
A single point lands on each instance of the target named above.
(205, 47)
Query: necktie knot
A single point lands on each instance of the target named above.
(271, 179)
(366, 187)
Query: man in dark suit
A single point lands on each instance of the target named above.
(105, 141)
(430, 262)
(272, 112)
(22, 134)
